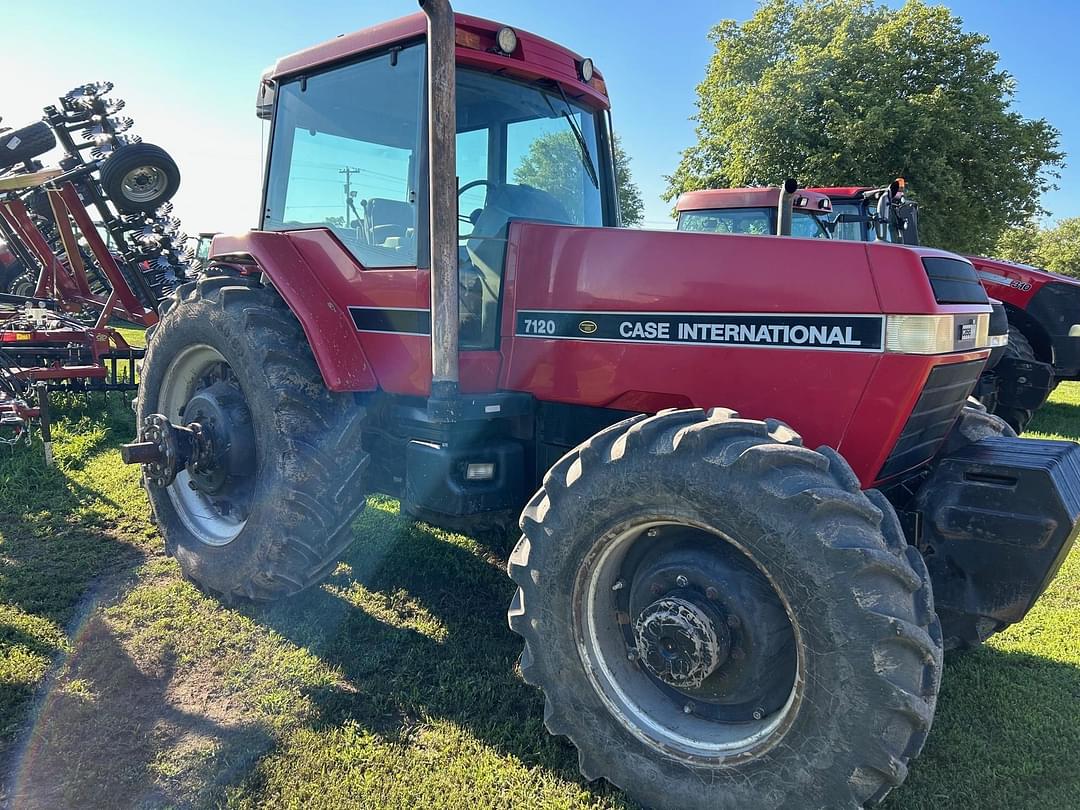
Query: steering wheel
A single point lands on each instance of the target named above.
(473, 184)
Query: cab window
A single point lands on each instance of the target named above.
(345, 155)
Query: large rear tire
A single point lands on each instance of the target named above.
(811, 577)
(276, 525)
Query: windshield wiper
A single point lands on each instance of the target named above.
(582, 143)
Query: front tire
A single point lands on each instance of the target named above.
(1018, 348)
(276, 523)
(812, 568)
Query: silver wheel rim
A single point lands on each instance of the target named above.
(144, 183)
(197, 512)
(611, 673)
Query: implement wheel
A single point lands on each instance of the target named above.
(270, 515)
(720, 618)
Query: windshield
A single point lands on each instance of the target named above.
(852, 231)
(751, 222)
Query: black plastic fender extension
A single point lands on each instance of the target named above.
(997, 519)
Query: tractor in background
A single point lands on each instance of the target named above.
(789, 210)
(718, 615)
(1043, 308)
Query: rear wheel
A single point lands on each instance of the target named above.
(1018, 348)
(272, 513)
(720, 618)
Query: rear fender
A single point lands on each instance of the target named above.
(330, 331)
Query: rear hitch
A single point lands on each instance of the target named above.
(163, 449)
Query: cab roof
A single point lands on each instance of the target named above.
(843, 191)
(760, 197)
(534, 58)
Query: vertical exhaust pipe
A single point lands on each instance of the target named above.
(783, 207)
(443, 225)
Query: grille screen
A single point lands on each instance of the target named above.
(946, 392)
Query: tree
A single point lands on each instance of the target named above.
(1056, 249)
(631, 203)
(838, 92)
(554, 164)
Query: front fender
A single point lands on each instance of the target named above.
(329, 329)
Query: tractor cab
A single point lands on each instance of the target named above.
(884, 214)
(756, 212)
(349, 151)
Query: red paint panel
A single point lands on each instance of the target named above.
(891, 393)
(316, 282)
(320, 280)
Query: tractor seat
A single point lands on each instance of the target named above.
(388, 219)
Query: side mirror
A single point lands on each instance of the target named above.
(881, 220)
(264, 99)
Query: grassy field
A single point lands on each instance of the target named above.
(394, 684)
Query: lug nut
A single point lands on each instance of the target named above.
(737, 654)
(631, 655)
(655, 589)
(733, 621)
(681, 581)
(618, 586)
(711, 593)
(651, 533)
(688, 708)
(759, 713)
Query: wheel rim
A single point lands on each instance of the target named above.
(24, 286)
(144, 184)
(213, 518)
(688, 641)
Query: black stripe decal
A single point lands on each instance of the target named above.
(398, 321)
(859, 333)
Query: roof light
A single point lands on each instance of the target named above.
(800, 202)
(506, 40)
(825, 203)
(585, 69)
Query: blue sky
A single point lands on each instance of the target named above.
(189, 73)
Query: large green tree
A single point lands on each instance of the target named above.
(1056, 248)
(553, 163)
(840, 92)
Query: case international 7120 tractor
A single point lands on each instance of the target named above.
(718, 615)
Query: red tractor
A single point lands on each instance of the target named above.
(1043, 308)
(718, 615)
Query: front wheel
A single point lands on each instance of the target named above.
(720, 618)
(268, 511)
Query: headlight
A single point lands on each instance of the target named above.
(937, 334)
(586, 70)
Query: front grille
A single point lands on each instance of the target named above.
(954, 281)
(946, 392)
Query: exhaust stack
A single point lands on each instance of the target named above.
(783, 207)
(442, 170)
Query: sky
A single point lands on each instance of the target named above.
(189, 73)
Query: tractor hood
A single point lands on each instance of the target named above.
(1013, 274)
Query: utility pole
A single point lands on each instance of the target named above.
(348, 171)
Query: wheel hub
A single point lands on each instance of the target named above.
(225, 423)
(680, 642)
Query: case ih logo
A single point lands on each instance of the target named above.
(862, 333)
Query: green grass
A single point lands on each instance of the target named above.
(393, 685)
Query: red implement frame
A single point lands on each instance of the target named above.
(65, 282)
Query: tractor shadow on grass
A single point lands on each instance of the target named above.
(1006, 735)
(105, 723)
(416, 622)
